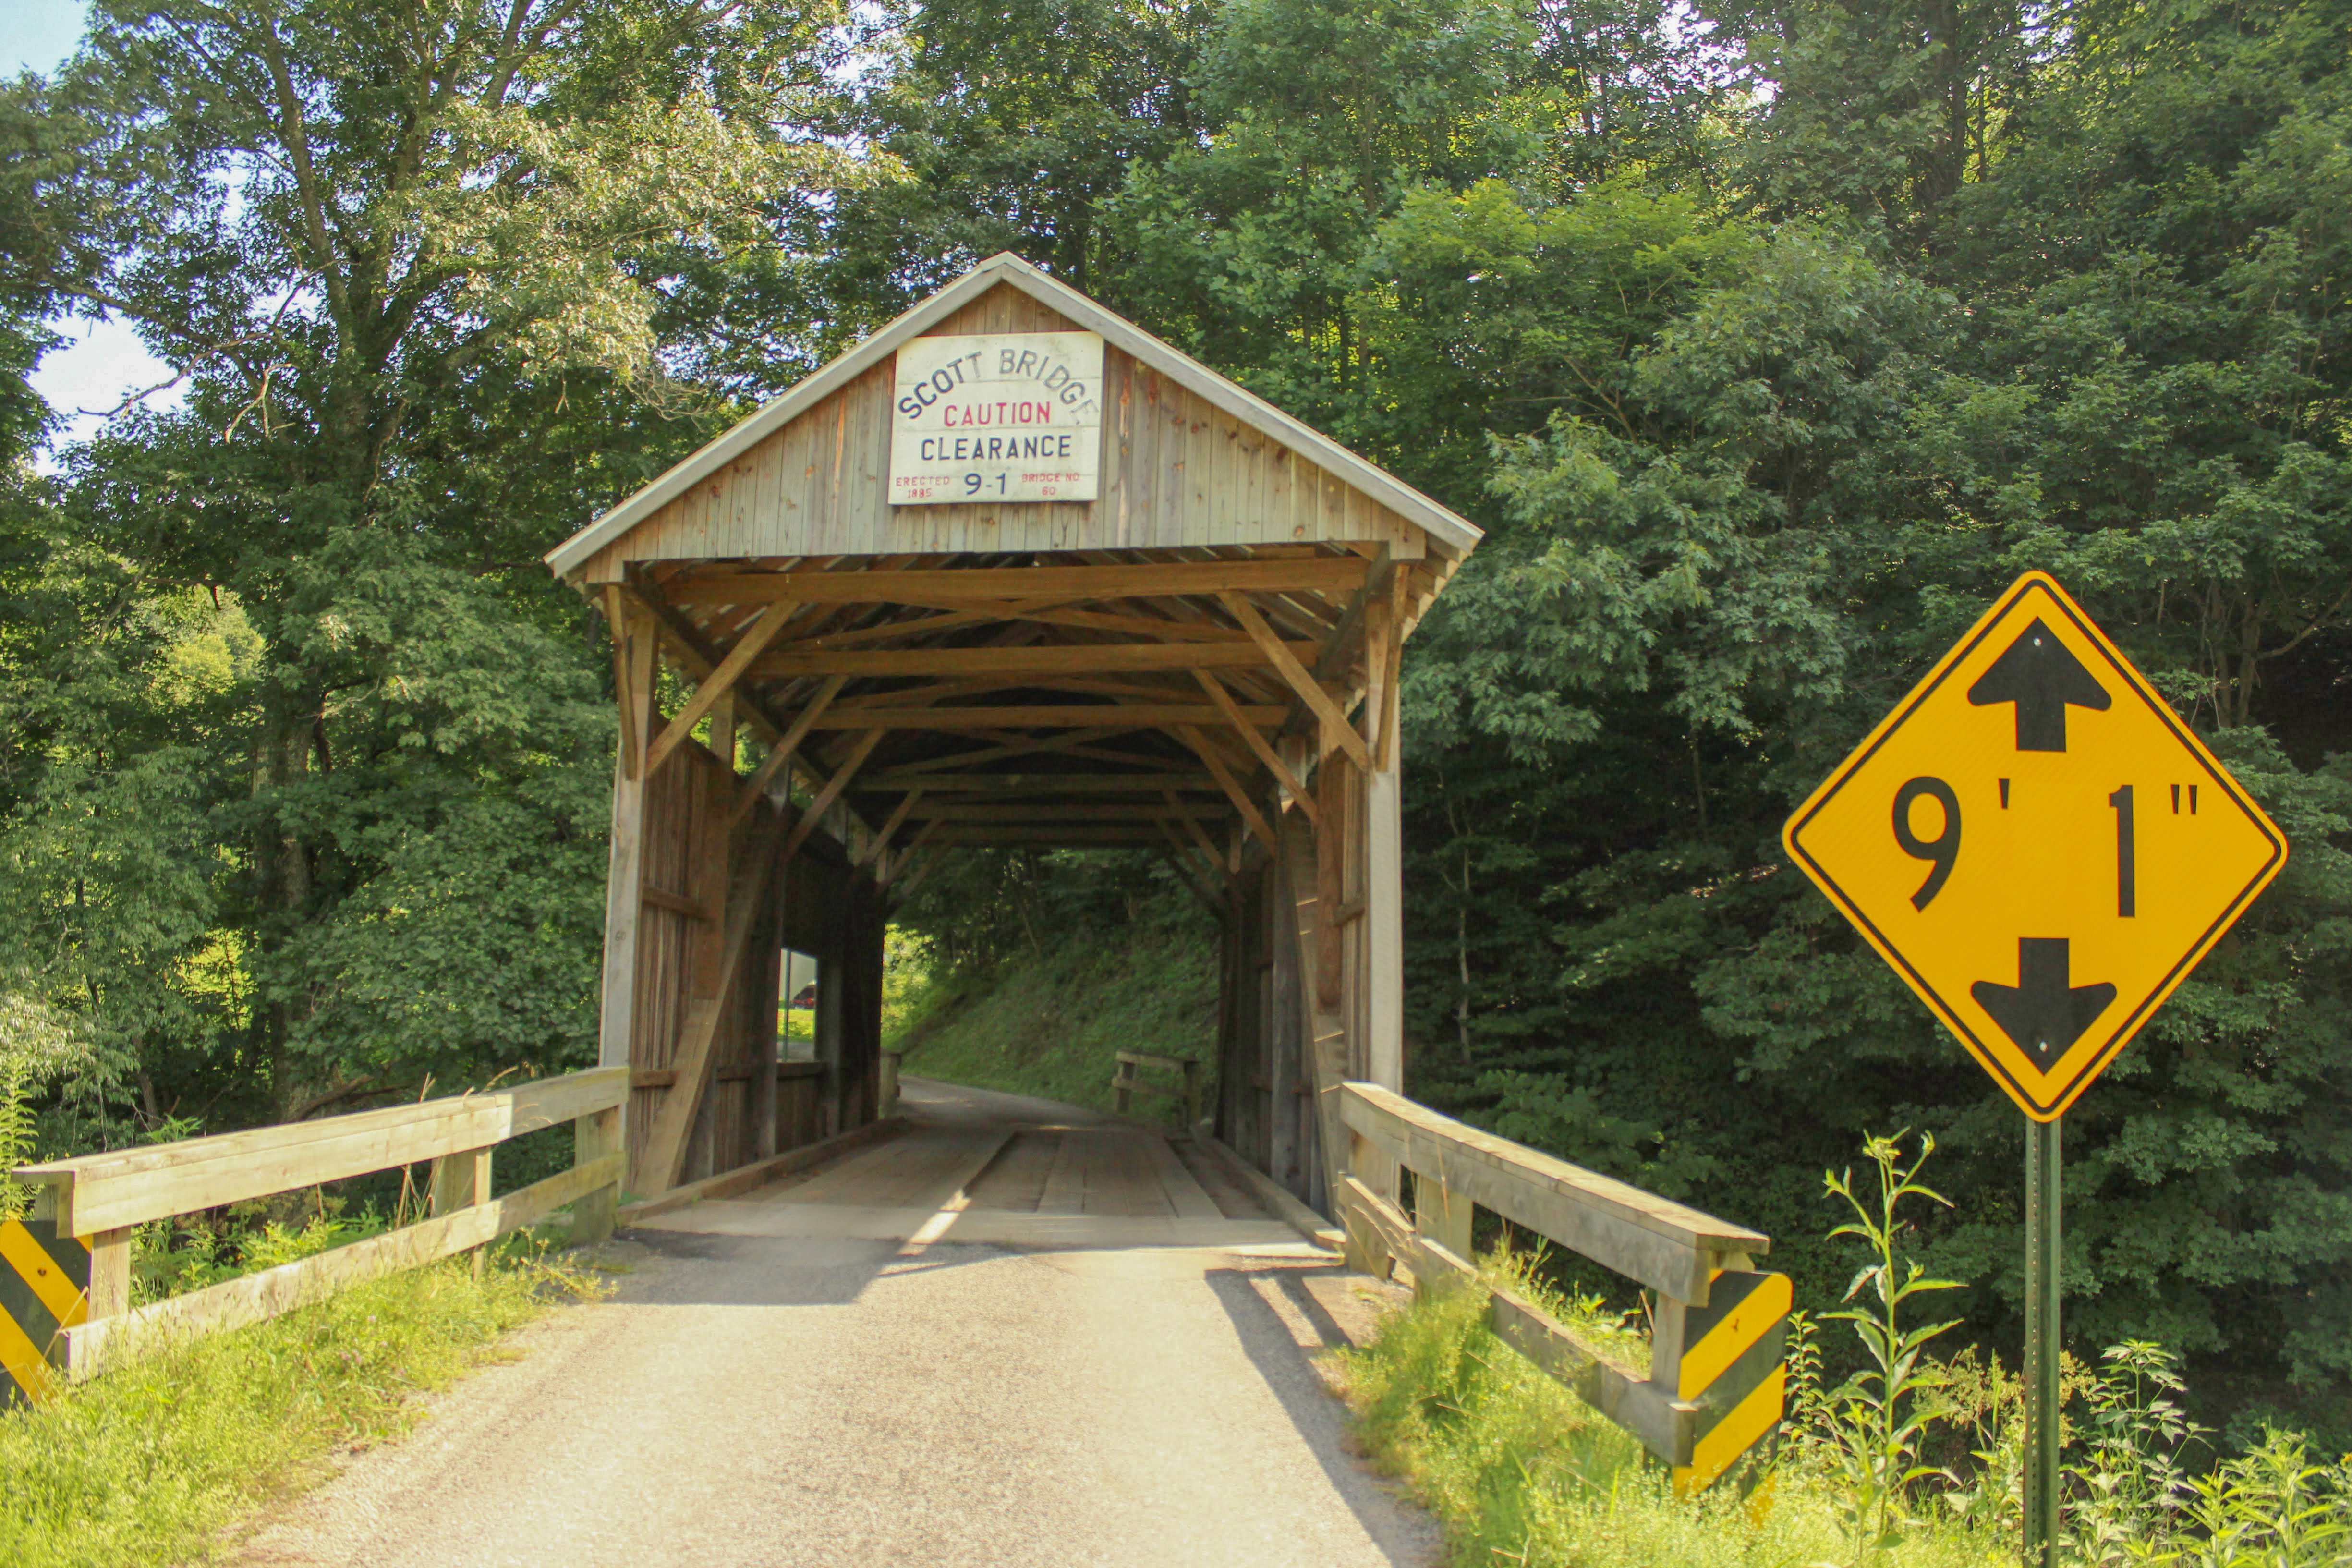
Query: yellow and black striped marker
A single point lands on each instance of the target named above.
(44, 1291)
(1735, 1369)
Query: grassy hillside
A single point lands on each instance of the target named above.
(1046, 1019)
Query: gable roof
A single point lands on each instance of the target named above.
(1449, 528)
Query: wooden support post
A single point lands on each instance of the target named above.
(110, 1273)
(1192, 1095)
(459, 1182)
(1441, 1213)
(1384, 911)
(636, 644)
(1122, 1086)
(593, 1137)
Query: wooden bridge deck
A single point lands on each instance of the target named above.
(1000, 1170)
(1014, 1334)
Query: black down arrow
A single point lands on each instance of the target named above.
(2041, 676)
(2041, 1012)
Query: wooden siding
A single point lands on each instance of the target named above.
(1176, 472)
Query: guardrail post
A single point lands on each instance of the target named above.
(1191, 1092)
(889, 1095)
(1441, 1213)
(109, 1274)
(459, 1182)
(594, 1136)
(1123, 1085)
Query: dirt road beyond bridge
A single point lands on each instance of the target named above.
(1016, 1333)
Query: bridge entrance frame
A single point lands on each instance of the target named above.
(822, 694)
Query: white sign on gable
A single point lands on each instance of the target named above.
(997, 417)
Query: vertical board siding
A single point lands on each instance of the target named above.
(1177, 472)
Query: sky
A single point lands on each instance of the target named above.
(105, 361)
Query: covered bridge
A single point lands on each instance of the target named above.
(1013, 572)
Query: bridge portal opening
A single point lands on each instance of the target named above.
(1178, 634)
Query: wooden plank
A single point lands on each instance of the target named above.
(1662, 1244)
(1276, 1199)
(1667, 1427)
(1319, 701)
(89, 1347)
(1124, 716)
(1186, 1196)
(108, 1192)
(1321, 574)
(1047, 658)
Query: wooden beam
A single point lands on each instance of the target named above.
(1051, 811)
(1131, 716)
(1177, 863)
(1199, 838)
(1326, 573)
(1225, 780)
(1318, 701)
(937, 854)
(881, 839)
(831, 791)
(895, 867)
(1040, 784)
(1022, 748)
(698, 658)
(780, 755)
(623, 680)
(719, 683)
(1046, 835)
(1048, 658)
(1257, 742)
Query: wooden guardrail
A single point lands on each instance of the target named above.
(101, 1198)
(1715, 1384)
(1125, 1085)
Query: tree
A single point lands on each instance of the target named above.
(422, 271)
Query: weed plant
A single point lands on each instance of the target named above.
(1911, 1463)
(162, 1460)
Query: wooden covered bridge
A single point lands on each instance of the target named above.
(1010, 572)
(1180, 633)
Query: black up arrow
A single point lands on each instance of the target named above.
(2041, 1012)
(2042, 677)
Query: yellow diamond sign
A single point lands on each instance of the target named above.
(2039, 847)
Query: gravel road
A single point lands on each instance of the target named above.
(760, 1400)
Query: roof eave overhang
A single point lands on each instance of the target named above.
(1448, 527)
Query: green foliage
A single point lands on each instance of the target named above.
(150, 1463)
(1047, 1020)
(1519, 1469)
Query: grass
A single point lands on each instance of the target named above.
(1049, 1024)
(1519, 1470)
(162, 1461)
